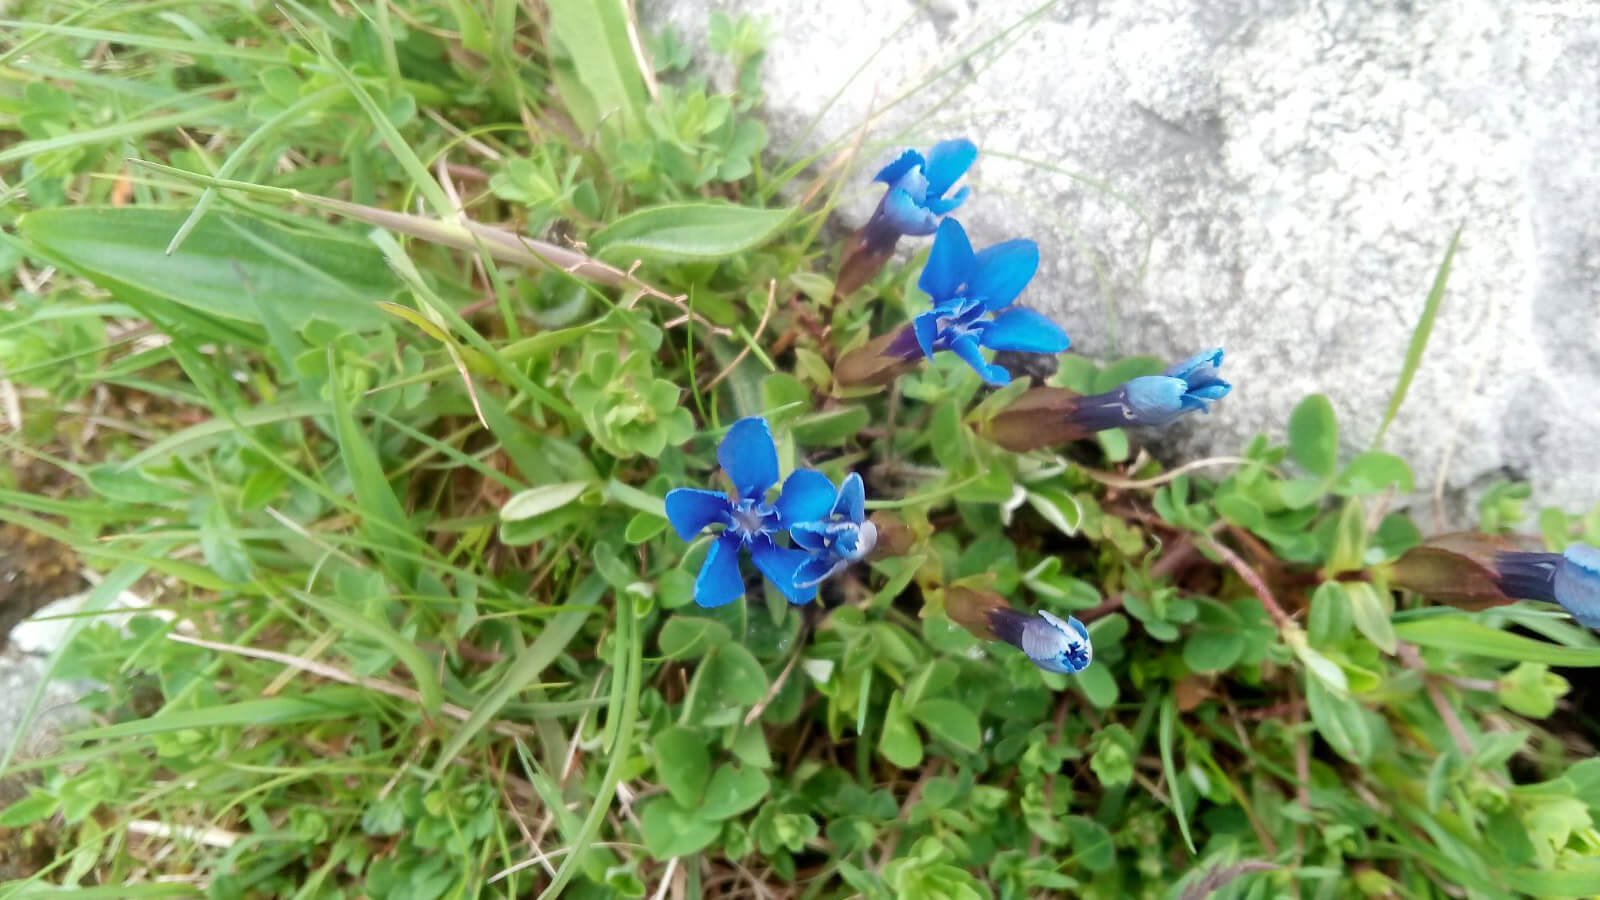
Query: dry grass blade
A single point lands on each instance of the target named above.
(333, 673)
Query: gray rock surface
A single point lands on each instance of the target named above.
(1279, 178)
(20, 674)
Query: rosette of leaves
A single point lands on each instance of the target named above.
(628, 411)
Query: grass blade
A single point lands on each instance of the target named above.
(1168, 724)
(627, 665)
(526, 668)
(1419, 337)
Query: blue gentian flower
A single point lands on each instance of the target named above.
(844, 537)
(748, 521)
(1157, 399)
(1053, 645)
(972, 295)
(1571, 579)
(915, 200)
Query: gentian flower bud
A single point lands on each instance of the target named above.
(913, 204)
(1047, 416)
(1477, 570)
(1571, 579)
(1053, 644)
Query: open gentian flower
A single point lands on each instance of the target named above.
(1046, 416)
(913, 204)
(972, 296)
(1571, 579)
(1053, 644)
(846, 536)
(915, 200)
(748, 522)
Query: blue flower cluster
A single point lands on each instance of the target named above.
(811, 531)
(829, 528)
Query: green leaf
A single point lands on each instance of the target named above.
(689, 637)
(683, 760)
(1314, 436)
(831, 427)
(900, 743)
(669, 830)
(1370, 610)
(1580, 881)
(1372, 472)
(1419, 338)
(1331, 616)
(529, 664)
(1217, 642)
(594, 36)
(732, 790)
(949, 720)
(735, 677)
(36, 807)
(686, 231)
(1341, 721)
(384, 518)
(542, 499)
(1460, 634)
(1058, 508)
(325, 703)
(1166, 735)
(1532, 690)
(1098, 685)
(1349, 540)
(228, 265)
(642, 527)
(1091, 843)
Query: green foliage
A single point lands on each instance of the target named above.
(394, 487)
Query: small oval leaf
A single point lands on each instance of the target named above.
(542, 499)
(686, 231)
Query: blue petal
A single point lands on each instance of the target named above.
(852, 501)
(853, 542)
(949, 262)
(1199, 368)
(1026, 331)
(947, 162)
(1155, 399)
(940, 206)
(905, 215)
(719, 582)
(1216, 390)
(807, 497)
(780, 564)
(966, 347)
(904, 163)
(690, 510)
(915, 185)
(926, 327)
(811, 537)
(1577, 584)
(1001, 272)
(816, 570)
(749, 457)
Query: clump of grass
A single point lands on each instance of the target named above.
(394, 484)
